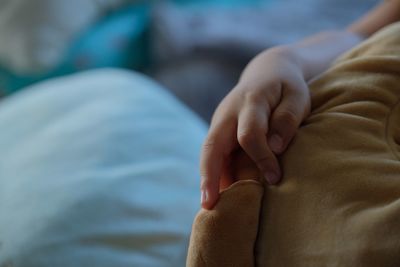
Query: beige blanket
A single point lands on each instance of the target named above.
(339, 201)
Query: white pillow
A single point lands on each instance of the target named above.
(97, 169)
(34, 34)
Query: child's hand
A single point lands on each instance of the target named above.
(260, 115)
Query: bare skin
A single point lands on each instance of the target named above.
(263, 111)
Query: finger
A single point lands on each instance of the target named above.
(243, 167)
(287, 118)
(215, 150)
(252, 131)
(227, 178)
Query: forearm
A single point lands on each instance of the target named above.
(316, 53)
(383, 14)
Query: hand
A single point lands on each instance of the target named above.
(260, 115)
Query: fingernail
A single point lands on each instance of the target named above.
(275, 143)
(271, 177)
(203, 196)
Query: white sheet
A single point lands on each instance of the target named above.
(97, 169)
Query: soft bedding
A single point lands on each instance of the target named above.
(97, 169)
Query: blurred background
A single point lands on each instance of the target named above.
(195, 48)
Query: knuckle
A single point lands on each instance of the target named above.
(247, 137)
(204, 171)
(253, 96)
(209, 144)
(257, 94)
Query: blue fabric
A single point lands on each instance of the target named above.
(118, 40)
(98, 169)
(226, 3)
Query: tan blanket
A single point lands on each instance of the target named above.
(339, 201)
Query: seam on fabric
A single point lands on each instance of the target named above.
(387, 123)
(260, 219)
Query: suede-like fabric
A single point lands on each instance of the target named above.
(211, 242)
(339, 201)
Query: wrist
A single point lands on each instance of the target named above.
(291, 54)
(288, 53)
(316, 53)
